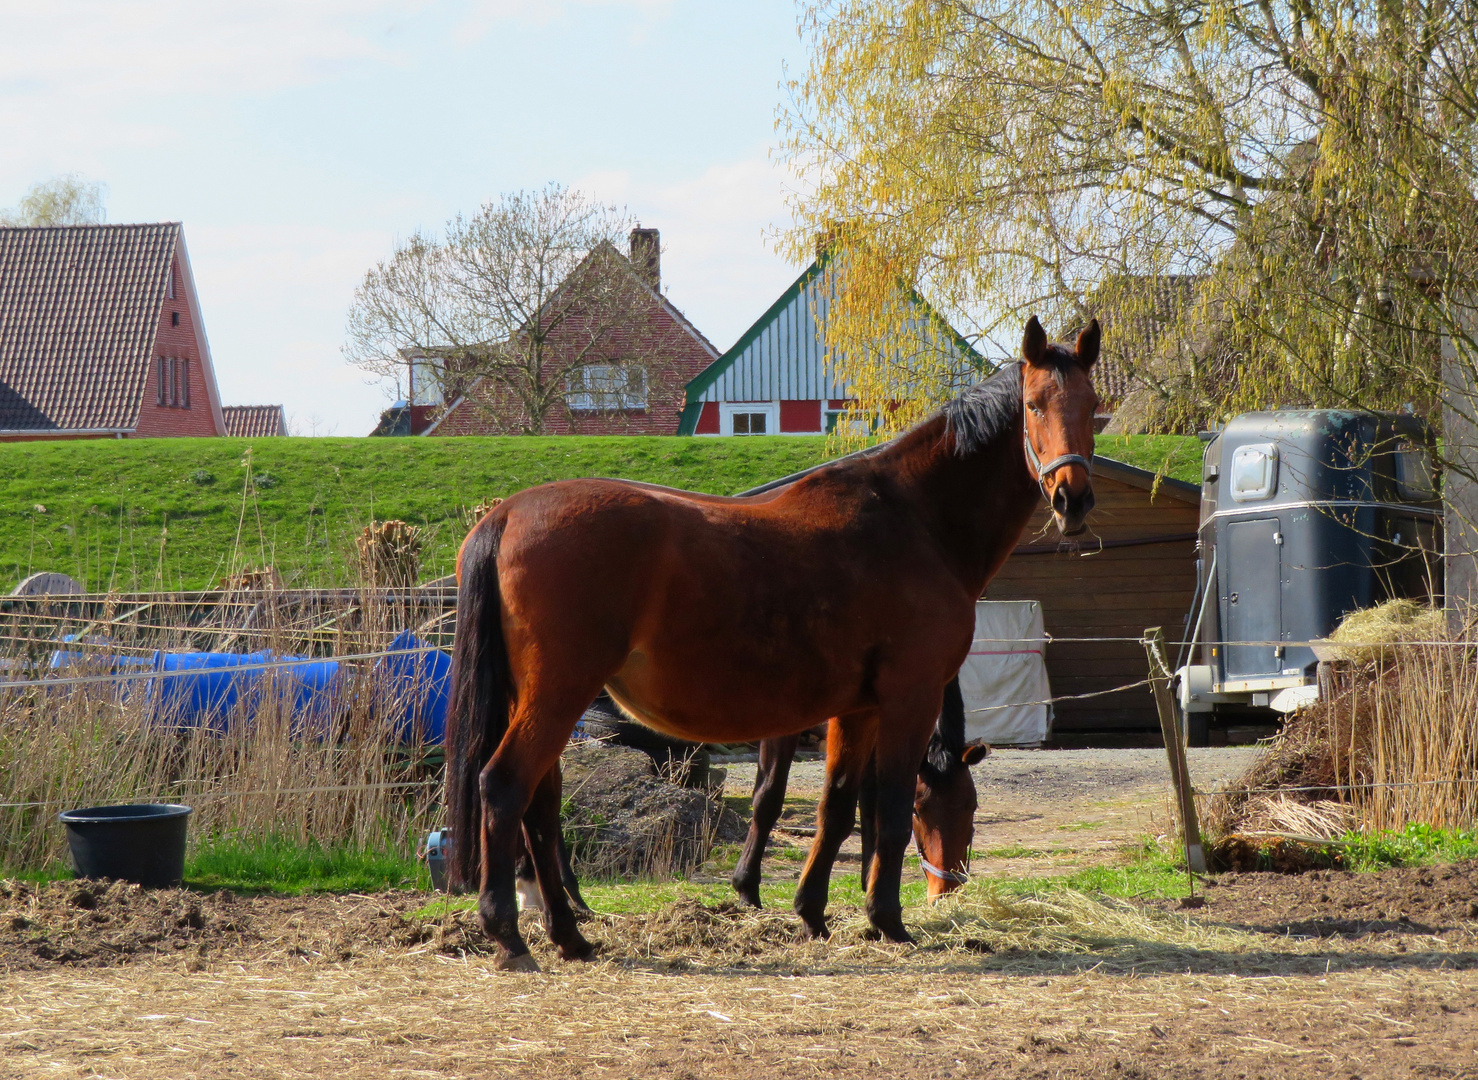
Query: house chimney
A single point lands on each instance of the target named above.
(646, 256)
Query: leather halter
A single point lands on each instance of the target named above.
(1044, 471)
(959, 877)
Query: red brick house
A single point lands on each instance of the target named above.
(101, 336)
(635, 381)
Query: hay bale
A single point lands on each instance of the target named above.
(1367, 636)
(622, 819)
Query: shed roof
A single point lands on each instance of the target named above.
(79, 311)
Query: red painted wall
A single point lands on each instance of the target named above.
(800, 417)
(179, 343)
(707, 419)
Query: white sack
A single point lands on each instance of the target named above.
(1006, 667)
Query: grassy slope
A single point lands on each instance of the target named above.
(108, 504)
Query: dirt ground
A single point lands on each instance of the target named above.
(1042, 812)
(1325, 975)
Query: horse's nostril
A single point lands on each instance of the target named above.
(1059, 500)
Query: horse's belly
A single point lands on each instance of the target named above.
(718, 702)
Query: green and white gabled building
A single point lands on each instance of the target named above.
(775, 380)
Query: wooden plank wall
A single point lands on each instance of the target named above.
(1114, 592)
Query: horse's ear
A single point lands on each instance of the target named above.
(1088, 344)
(1034, 341)
(974, 752)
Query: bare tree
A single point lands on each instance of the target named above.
(63, 200)
(522, 309)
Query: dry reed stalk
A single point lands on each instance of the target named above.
(1394, 743)
(339, 775)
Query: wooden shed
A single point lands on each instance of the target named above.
(1134, 568)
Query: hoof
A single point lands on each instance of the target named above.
(818, 930)
(896, 934)
(748, 901)
(579, 950)
(521, 962)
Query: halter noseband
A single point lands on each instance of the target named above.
(1044, 471)
(959, 877)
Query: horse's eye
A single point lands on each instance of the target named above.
(1035, 408)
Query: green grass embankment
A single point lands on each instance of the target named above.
(180, 513)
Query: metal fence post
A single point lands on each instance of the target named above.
(1154, 647)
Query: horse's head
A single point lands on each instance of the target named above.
(1058, 405)
(944, 817)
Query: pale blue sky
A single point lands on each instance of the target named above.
(297, 139)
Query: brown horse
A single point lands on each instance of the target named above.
(848, 594)
(943, 812)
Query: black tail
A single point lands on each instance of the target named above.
(477, 716)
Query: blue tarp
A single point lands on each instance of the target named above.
(211, 684)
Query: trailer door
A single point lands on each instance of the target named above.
(1252, 597)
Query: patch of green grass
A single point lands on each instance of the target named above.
(1013, 851)
(1177, 456)
(1416, 845)
(141, 513)
(290, 868)
(149, 513)
(1080, 826)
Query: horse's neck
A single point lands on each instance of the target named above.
(976, 505)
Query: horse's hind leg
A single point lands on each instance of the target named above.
(847, 748)
(571, 883)
(542, 826)
(770, 778)
(529, 749)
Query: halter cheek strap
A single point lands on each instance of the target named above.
(1044, 471)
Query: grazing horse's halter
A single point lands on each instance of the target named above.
(1044, 471)
(959, 877)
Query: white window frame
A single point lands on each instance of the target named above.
(617, 395)
(771, 409)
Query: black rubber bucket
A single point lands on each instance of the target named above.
(143, 843)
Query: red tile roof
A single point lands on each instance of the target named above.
(80, 306)
(254, 421)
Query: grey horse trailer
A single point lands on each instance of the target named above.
(1306, 516)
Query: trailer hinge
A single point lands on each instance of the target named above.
(1278, 539)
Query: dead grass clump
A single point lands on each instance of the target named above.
(1391, 741)
(390, 554)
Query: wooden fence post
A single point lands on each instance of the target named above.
(1154, 647)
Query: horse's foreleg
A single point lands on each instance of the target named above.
(847, 748)
(867, 815)
(770, 778)
(901, 745)
(542, 826)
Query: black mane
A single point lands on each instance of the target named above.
(986, 410)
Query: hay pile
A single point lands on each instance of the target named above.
(1390, 741)
(624, 820)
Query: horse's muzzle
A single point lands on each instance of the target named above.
(1070, 509)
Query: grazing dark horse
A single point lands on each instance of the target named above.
(943, 811)
(848, 595)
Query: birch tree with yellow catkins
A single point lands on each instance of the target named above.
(1267, 202)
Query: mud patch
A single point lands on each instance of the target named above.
(1437, 900)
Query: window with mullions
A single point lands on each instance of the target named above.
(606, 388)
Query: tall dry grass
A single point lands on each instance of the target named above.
(338, 774)
(1393, 740)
